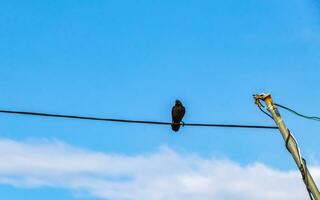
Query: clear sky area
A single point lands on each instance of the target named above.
(132, 60)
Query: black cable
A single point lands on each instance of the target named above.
(287, 140)
(265, 112)
(133, 121)
(296, 113)
(303, 164)
(305, 177)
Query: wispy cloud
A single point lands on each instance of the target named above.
(164, 174)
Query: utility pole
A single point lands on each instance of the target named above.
(290, 142)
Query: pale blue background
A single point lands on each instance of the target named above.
(132, 59)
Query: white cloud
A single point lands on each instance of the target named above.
(161, 175)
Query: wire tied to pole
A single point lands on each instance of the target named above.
(257, 101)
(302, 162)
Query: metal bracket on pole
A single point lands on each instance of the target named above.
(291, 143)
(259, 97)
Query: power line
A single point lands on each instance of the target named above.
(134, 121)
(299, 114)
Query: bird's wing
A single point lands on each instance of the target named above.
(183, 111)
(172, 111)
(177, 113)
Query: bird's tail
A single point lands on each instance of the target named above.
(175, 126)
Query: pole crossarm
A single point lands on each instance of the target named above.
(291, 143)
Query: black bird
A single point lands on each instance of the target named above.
(177, 113)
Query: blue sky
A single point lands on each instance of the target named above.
(132, 59)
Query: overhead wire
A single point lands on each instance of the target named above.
(298, 114)
(134, 121)
(265, 112)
